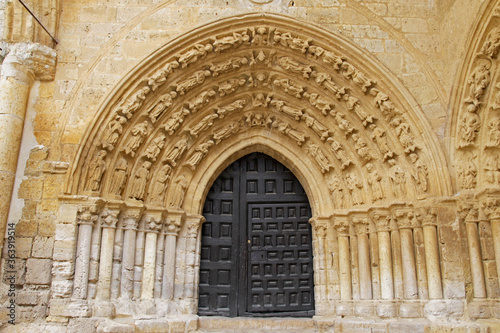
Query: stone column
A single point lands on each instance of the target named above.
(86, 219)
(397, 264)
(193, 224)
(109, 220)
(407, 255)
(342, 227)
(131, 217)
(319, 226)
(491, 208)
(382, 222)
(432, 255)
(139, 259)
(152, 225)
(420, 264)
(24, 63)
(365, 283)
(173, 224)
(159, 264)
(470, 216)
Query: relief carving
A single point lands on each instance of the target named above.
(155, 147)
(326, 81)
(403, 132)
(160, 77)
(337, 190)
(478, 82)
(203, 125)
(201, 100)
(318, 128)
(355, 186)
(163, 103)
(375, 182)
(339, 152)
(319, 102)
(361, 148)
(96, 171)
(237, 105)
(281, 106)
(137, 102)
(139, 181)
(261, 100)
(294, 66)
(467, 171)
(379, 137)
(199, 153)
(260, 36)
(230, 86)
(286, 129)
(494, 133)
(492, 43)
(180, 186)
(173, 123)
(226, 132)
(137, 136)
(419, 173)
(332, 58)
(384, 104)
(176, 152)
(350, 72)
(120, 174)
(162, 178)
(468, 128)
(198, 51)
(228, 42)
(195, 80)
(492, 169)
(343, 124)
(352, 104)
(114, 130)
(289, 87)
(286, 39)
(397, 179)
(319, 156)
(229, 65)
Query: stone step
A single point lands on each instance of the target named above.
(258, 325)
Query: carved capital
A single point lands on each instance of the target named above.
(491, 208)
(152, 221)
(193, 223)
(34, 59)
(468, 213)
(382, 220)
(173, 222)
(429, 217)
(109, 218)
(341, 223)
(131, 217)
(361, 225)
(88, 213)
(320, 227)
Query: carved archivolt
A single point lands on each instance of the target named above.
(262, 76)
(476, 127)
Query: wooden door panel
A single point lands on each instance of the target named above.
(256, 253)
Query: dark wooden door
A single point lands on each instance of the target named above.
(256, 247)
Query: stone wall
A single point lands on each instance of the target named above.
(421, 44)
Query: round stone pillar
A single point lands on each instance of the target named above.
(25, 63)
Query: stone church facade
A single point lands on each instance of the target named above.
(117, 116)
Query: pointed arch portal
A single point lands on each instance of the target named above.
(351, 134)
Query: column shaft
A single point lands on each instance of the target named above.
(476, 263)
(432, 262)
(385, 255)
(105, 264)
(148, 276)
(408, 260)
(365, 282)
(344, 268)
(495, 231)
(82, 261)
(169, 266)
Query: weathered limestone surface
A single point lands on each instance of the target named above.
(388, 112)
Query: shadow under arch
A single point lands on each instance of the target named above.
(300, 165)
